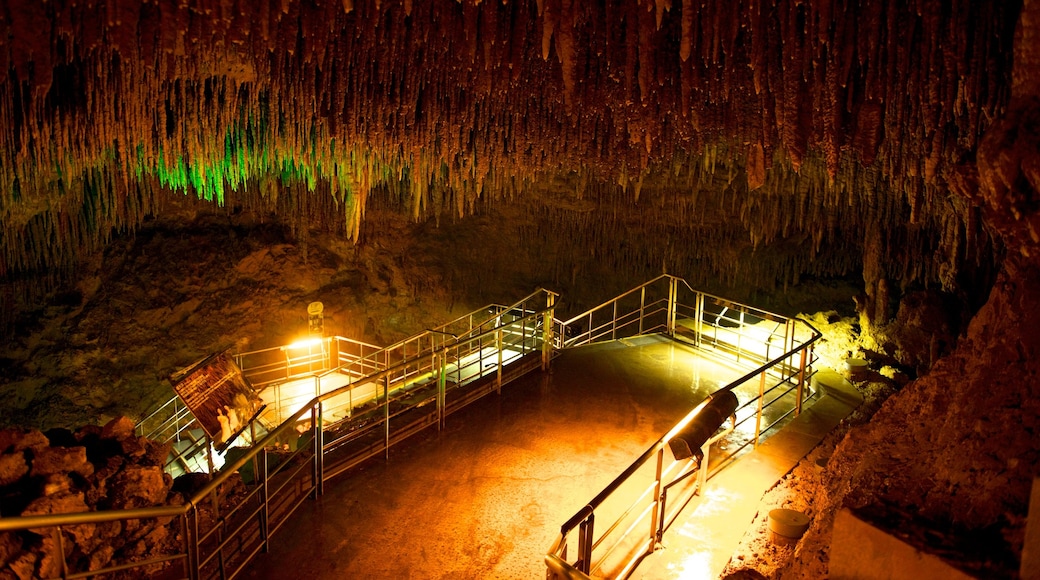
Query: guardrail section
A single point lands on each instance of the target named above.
(626, 520)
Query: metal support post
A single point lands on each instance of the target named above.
(499, 344)
(673, 295)
(386, 414)
(585, 541)
(260, 468)
(702, 477)
(191, 543)
(547, 331)
(441, 388)
(642, 308)
(700, 317)
(318, 472)
(758, 412)
(801, 381)
(657, 517)
(740, 332)
(613, 323)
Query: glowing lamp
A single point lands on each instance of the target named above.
(305, 343)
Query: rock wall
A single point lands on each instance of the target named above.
(960, 446)
(91, 469)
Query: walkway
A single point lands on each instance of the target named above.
(486, 497)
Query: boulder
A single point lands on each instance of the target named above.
(119, 428)
(12, 468)
(14, 440)
(155, 453)
(23, 566)
(132, 447)
(52, 460)
(56, 504)
(57, 484)
(10, 545)
(137, 486)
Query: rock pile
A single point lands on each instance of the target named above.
(91, 469)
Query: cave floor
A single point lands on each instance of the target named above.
(486, 496)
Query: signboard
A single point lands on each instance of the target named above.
(215, 391)
(315, 319)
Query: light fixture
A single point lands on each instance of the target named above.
(687, 438)
(305, 343)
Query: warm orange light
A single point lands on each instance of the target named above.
(305, 343)
(685, 421)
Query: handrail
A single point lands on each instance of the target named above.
(577, 317)
(556, 561)
(206, 496)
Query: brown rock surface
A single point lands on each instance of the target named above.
(95, 475)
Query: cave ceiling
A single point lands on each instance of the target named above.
(844, 126)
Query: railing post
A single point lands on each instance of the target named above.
(318, 473)
(499, 343)
(386, 413)
(547, 330)
(523, 335)
(260, 469)
(673, 294)
(758, 411)
(613, 323)
(789, 340)
(642, 308)
(801, 380)
(278, 402)
(700, 316)
(657, 517)
(740, 332)
(702, 477)
(441, 387)
(191, 543)
(585, 541)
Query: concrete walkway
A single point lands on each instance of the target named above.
(485, 498)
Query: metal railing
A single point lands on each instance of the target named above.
(781, 350)
(420, 381)
(220, 531)
(190, 448)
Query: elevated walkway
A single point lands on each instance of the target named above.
(483, 498)
(558, 442)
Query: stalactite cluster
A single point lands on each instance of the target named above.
(809, 118)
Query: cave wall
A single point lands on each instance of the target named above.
(959, 447)
(732, 132)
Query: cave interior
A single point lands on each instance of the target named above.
(183, 176)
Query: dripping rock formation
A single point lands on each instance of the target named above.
(181, 175)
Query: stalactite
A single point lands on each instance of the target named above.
(108, 107)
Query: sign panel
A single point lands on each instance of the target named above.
(215, 391)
